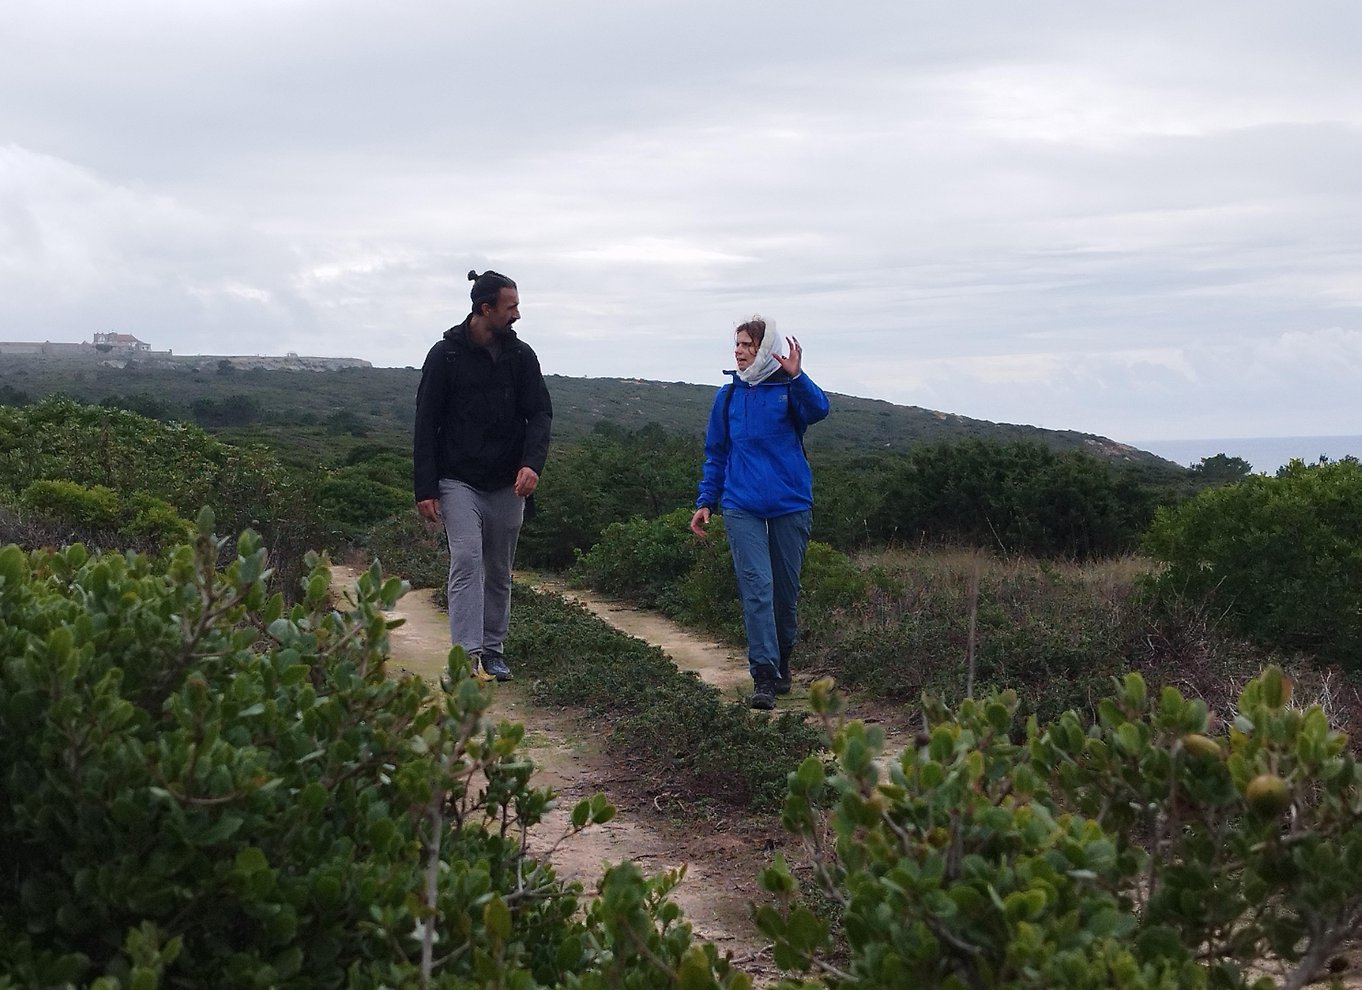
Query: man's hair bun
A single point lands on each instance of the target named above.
(487, 287)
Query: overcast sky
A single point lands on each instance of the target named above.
(1138, 220)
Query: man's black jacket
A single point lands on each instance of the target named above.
(477, 420)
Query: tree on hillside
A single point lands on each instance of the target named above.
(1222, 469)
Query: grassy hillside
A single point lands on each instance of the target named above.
(317, 415)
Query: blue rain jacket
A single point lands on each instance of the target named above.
(755, 460)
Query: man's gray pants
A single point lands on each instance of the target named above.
(482, 528)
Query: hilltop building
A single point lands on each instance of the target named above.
(119, 341)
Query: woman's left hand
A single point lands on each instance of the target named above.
(790, 361)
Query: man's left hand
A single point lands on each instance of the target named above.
(526, 482)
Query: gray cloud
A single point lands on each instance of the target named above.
(1140, 222)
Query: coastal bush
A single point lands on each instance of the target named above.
(153, 522)
(1280, 556)
(1019, 497)
(142, 403)
(85, 506)
(237, 409)
(1146, 848)
(180, 465)
(706, 597)
(350, 503)
(642, 560)
(202, 788)
(66, 512)
(610, 476)
(1053, 632)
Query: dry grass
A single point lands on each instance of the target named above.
(1045, 625)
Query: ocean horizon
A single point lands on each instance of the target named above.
(1266, 454)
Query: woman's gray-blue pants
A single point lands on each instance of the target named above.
(767, 557)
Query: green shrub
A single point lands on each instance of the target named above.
(139, 521)
(86, 506)
(349, 502)
(1053, 633)
(1018, 497)
(1147, 849)
(611, 476)
(179, 464)
(830, 583)
(383, 465)
(150, 521)
(706, 598)
(237, 409)
(201, 789)
(1280, 556)
(406, 544)
(141, 403)
(641, 560)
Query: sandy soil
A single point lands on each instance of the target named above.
(721, 865)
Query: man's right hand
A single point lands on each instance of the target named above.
(429, 509)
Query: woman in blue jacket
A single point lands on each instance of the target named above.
(756, 473)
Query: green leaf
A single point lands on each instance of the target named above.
(942, 744)
(13, 566)
(809, 776)
(694, 971)
(581, 814)
(804, 931)
(496, 917)
(251, 860)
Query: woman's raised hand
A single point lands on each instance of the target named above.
(791, 361)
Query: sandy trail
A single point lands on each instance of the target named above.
(721, 869)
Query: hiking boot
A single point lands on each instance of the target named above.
(495, 664)
(783, 681)
(480, 672)
(763, 694)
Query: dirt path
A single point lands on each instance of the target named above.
(721, 868)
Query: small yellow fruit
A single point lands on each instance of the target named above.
(1267, 794)
(1202, 747)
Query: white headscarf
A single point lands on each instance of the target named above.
(764, 363)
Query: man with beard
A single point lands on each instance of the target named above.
(482, 436)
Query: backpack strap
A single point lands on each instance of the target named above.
(728, 401)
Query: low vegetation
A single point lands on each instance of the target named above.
(202, 788)
(1151, 846)
(115, 479)
(207, 785)
(1265, 570)
(1280, 557)
(675, 728)
(313, 410)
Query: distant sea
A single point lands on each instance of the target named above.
(1266, 454)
